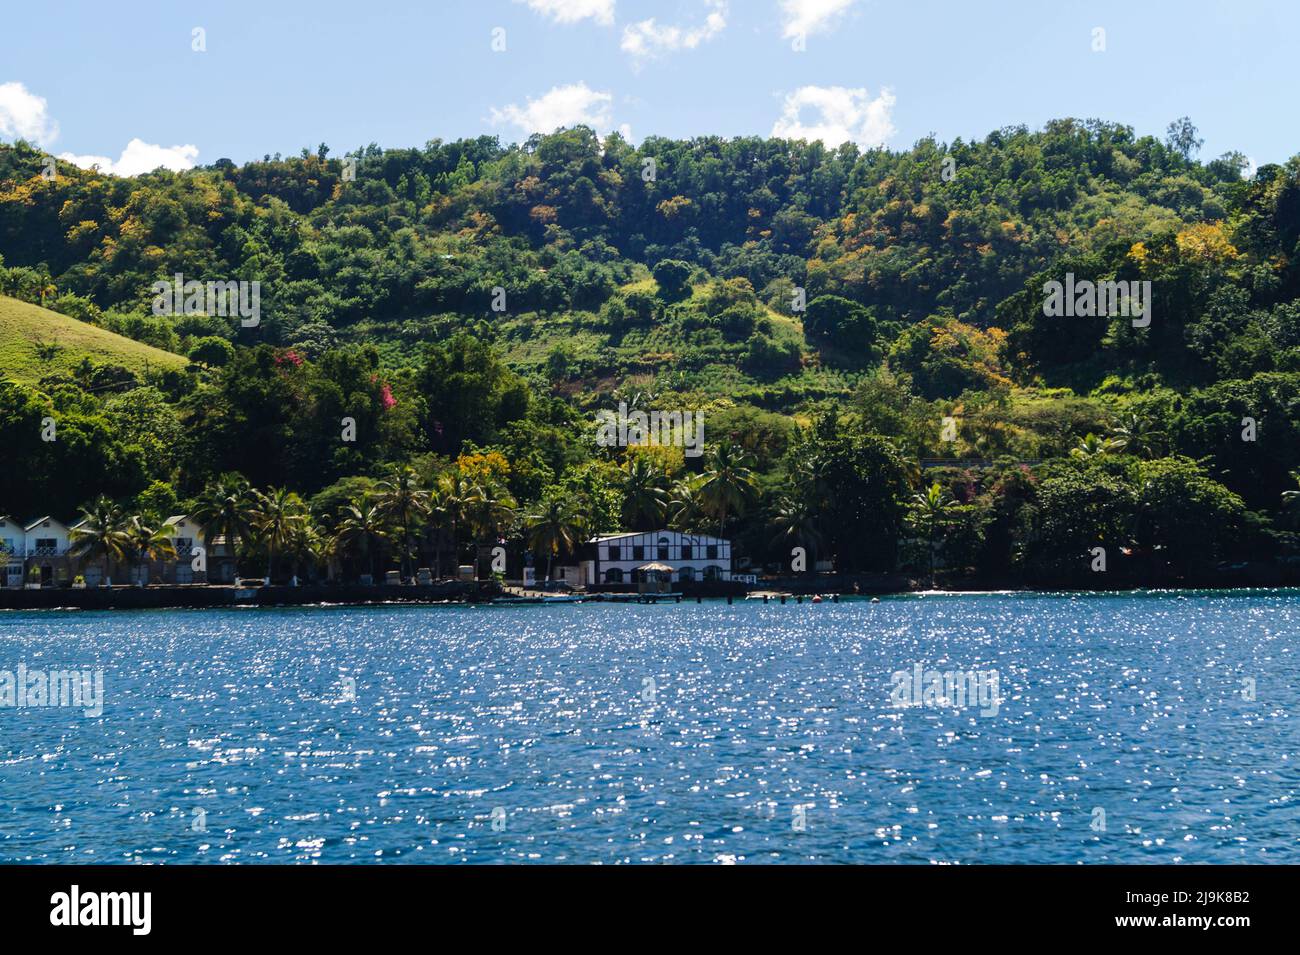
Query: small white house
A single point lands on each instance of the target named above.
(13, 539)
(186, 536)
(46, 548)
(655, 556)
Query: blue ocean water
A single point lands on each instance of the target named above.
(1146, 728)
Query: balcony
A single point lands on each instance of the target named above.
(47, 550)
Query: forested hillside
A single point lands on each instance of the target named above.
(847, 322)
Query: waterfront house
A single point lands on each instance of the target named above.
(46, 545)
(655, 557)
(45, 548)
(13, 543)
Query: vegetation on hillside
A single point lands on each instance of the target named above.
(863, 332)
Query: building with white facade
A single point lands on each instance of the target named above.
(45, 547)
(667, 557)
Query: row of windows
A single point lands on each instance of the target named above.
(663, 551)
(615, 575)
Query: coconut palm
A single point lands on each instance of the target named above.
(403, 504)
(146, 543)
(798, 524)
(101, 534)
(728, 484)
(225, 509)
(1136, 434)
(645, 495)
(555, 527)
(277, 518)
(363, 530)
(490, 510)
(455, 493)
(929, 513)
(686, 510)
(1090, 448)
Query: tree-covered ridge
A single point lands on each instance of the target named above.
(671, 275)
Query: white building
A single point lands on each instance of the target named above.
(46, 545)
(655, 556)
(42, 544)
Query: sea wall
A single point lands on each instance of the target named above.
(197, 596)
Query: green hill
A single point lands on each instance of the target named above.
(35, 341)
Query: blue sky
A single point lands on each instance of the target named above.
(88, 78)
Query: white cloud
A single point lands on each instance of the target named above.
(572, 105)
(139, 157)
(573, 11)
(647, 38)
(802, 17)
(23, 115)
(844, 115)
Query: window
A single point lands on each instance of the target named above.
(686, 573)
(712, 551)
(614, 575)
(638, 553)
(713, 572)
(615, 552)
(687, 552)
(663, 548)
(184, 546)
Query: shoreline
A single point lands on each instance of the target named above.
(480, 593)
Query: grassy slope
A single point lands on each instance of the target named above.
(23, 327)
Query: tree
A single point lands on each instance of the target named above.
(212, 351)
(842, 324)
(362, 529)
(226, 509)
(555, 528)
(1181, 137)
(1136, 434)
(277, 518)
(673, 278)
(930, 514)
(645, 498)
(404, 504)
(146, 542)
(101, 534)
(798, 525)
(728, 484)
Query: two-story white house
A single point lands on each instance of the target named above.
(655, 557)
(46, 545)
(41, 544)
(13, 543)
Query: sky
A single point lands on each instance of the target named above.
(141, 83)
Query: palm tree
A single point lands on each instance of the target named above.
(225, 509)
(277, 518)
(1089, 448)
(1136, 434)
(929, 513)
(556, 527)
(645, 499)
(455, 492)
(490, 509)
(728, 483)
(686, 505)
(403, 504)
(102, 534)
(362, 527)
(798, 524)
(308, 545)
(148, 543)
